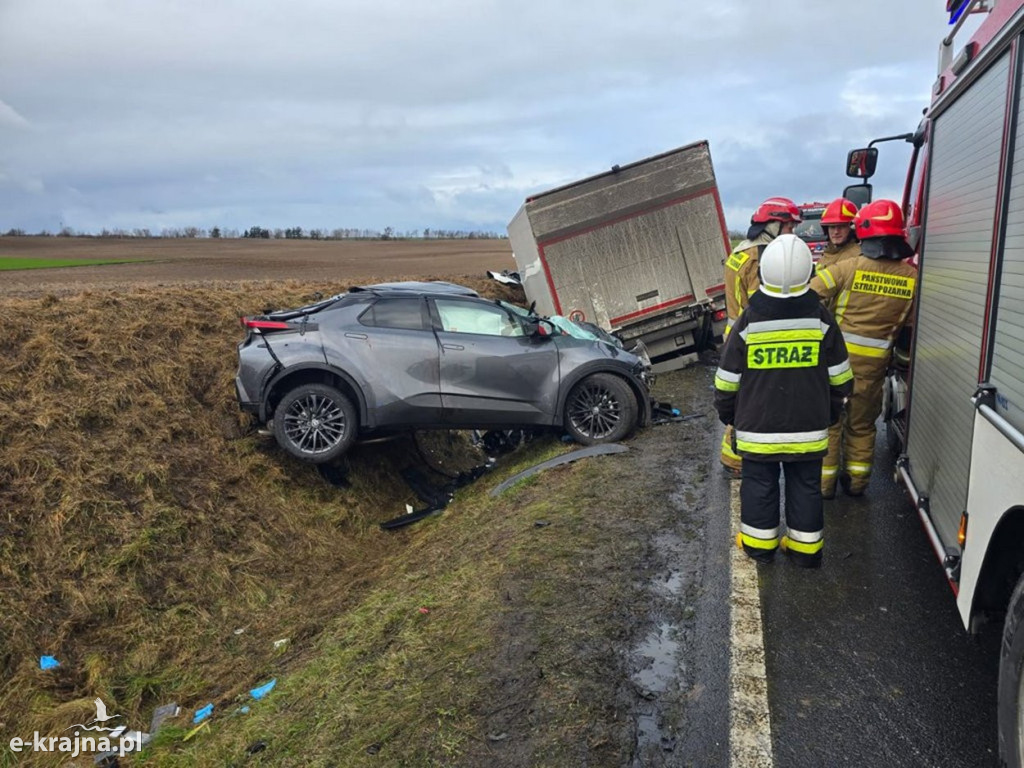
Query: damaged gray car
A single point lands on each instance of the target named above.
(400, 356)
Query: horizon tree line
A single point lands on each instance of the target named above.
(264, 233)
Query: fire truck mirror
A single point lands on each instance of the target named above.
(858, 194)
(860, 163)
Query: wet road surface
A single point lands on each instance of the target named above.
(868, 662)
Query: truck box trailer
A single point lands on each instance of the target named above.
(637, 250)
(958, 425)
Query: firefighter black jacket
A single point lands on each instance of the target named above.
(782, 379)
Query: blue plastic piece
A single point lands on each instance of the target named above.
(202, 714)
(48, 662)
(244, 710)
(263, 690)
(675, 411)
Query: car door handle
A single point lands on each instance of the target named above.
(452, 346)
(356, 336)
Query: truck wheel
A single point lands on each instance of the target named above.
(315, 423)
(600, 409)
(1011, 683)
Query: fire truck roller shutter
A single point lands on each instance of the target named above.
(966, 147)
(1007, 354)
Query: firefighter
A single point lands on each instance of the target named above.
(874, 296)
(775, 216)
(781, 382)
(837, 221)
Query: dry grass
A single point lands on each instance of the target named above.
(141, 521)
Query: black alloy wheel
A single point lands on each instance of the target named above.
(315, 423)
(600, 409)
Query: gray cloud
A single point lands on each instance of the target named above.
(147, 113)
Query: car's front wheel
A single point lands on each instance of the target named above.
(600, 409)
(315, 423)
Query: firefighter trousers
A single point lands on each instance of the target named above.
(851, 441)
(730, 459)
(759, 510)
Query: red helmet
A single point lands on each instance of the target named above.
(879, 219)
(839, 211)
(776, 209)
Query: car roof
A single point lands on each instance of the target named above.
(417, 287)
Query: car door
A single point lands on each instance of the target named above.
(492, 372)
(396, 352)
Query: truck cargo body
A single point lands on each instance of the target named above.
(637, 250)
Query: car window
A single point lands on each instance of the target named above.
(469, 317)
(395, 313)
(810, 229)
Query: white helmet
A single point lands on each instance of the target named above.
(786, 267)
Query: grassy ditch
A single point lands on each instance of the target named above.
(143, 524)
(489, 635)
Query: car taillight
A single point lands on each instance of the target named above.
(720, 315)
(264, 325)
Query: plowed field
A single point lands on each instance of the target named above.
(174, 261)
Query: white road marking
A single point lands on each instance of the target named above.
(750, 726)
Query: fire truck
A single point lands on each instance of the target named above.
(956, 418)
(810, 230)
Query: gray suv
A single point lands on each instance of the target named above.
(400, 356)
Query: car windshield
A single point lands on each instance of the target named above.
(810, 228)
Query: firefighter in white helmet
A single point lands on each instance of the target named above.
(774, 217)
(781, 382)
(873, 296)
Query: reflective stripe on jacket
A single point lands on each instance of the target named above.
(873, 299)
(783, 375)
(741, 281)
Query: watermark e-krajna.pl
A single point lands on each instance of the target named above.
(73, 746)
(119, 740)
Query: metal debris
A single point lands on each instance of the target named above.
(565, 458)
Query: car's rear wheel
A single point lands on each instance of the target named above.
(315, 423)
(600, 409)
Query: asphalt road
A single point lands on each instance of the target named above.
(867, 660)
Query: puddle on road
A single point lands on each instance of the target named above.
(660, 648)
(656, 680)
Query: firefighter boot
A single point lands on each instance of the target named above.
(850, 486)
(800, 554)
(759, 556)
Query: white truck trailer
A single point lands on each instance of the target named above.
(960, 425)
(637, 250)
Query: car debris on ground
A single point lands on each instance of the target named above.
(506, 277)
(565, 458)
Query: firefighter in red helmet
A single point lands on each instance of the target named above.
(774, 217)
(873, 296)
(837, 221)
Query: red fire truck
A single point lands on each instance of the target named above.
(959, 424)
(810, 231)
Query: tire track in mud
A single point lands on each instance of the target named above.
(679, 665)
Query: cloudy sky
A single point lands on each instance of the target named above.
(441, 114)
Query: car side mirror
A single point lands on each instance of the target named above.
(538, 327)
